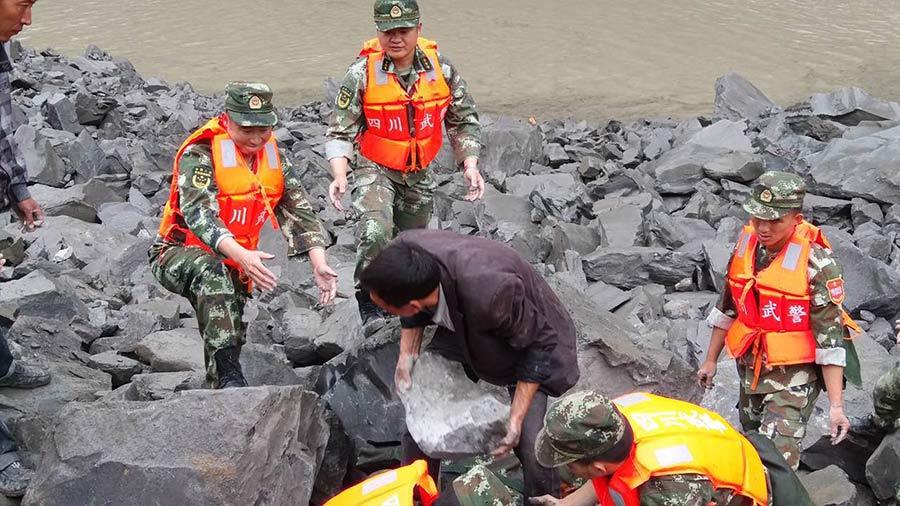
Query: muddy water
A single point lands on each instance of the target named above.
(593, 59)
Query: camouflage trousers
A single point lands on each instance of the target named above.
(781, 416)
(215, 291)
(387, 204)
(886, 398)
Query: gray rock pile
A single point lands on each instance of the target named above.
(633, 224)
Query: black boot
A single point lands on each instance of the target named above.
(369, 313)
(228, 366)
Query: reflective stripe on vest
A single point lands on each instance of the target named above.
(392, 488)
(675, 437)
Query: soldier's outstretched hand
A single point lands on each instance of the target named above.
(897, 329)
(326, 280)
(475, 182)
(706, 373)
(336, 191)
(2, 263)
(840, 425)
(252, 263)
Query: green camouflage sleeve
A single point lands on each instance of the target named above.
(463, 126)
(825, 315)
(681, 490)
(299, 223)
(197, 192)
(347, 118)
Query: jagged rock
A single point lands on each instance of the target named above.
(197, 448)
(507, 219)
(863, 211)
(679, 170)
(37, 295)
(469, 419)
(831, 487)
(37, 155)
(510, 146)
(364, 376)
(676, 232)
(61, 114)
(570, 237)
(263, 365)
(126, 218)
(815, 127)
(636, 266)
(740, 166)
(138, 321)
(172, 350)
(660, 141)
(606, 296)
(611, 362)
(523, 185)
(852, 105)
(825, 210)
(566, 203)
(298, 331)
(120, 368)
(158, 385)
(645, 305)
(863, 167)
(621, 219)
(871, 285)
(50, 338)
(737, 99)
(79, 201)
(725, 135)
(883, 468)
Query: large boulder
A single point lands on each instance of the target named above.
(37, 294)
(831, 487)
(737, 99)
(470, 418)
(869, 283)
(636, 266)
(257, 446)
(863, 167)
(852, 105)
(510, 146)
(883, 468)
(172, 350)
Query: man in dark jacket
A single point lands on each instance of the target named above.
(495, 315)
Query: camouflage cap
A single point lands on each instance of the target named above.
(579, 425)
(390, 14)
(775, 194)
(250, 104)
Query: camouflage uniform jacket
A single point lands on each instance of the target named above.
(13, 179)
(296, 218)
(462, 124)
(682, 490)
(825, 320)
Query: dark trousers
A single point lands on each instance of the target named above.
(539, 480)
(7, 443)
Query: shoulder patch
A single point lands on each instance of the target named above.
(202, 177)
(343, 97)
(836, 290)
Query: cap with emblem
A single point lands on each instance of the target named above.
(391, 14)
(250, 104)
(580, 425)
(775, 194)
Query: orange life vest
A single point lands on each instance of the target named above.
(773, 304)
(676, 437)
(393, 488)
(247, 196)
(388, 138)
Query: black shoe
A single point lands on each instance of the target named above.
(370, 314)
(866, 427)
(14, 479)
(228, 366)
(22, 375)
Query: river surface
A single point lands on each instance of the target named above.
(590, 59)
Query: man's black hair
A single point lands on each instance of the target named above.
(400, 273)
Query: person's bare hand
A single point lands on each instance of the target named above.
(403, 373)
(2, 263)
(544, 500)
(336, 191)
(511, 440)
(706, 373)
(326, 280)
(840, 425)
(897, 329)
(475, 183)
(31, 214)
(252, 264)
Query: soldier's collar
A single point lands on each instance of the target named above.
(420, 63)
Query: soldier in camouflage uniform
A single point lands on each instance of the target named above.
(604, 442)
(778, 400)
(389, 199)
(206, 249)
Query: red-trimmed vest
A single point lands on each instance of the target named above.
(246, 195)
(676, 437)
(388, 138)
(773, 304)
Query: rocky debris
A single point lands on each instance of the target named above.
(883, 468)
(633, 222)
(470, 418)
(196, 448)
(831, 487)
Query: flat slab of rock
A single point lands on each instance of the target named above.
(251, 445)
(172, 350)
(448, 414)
